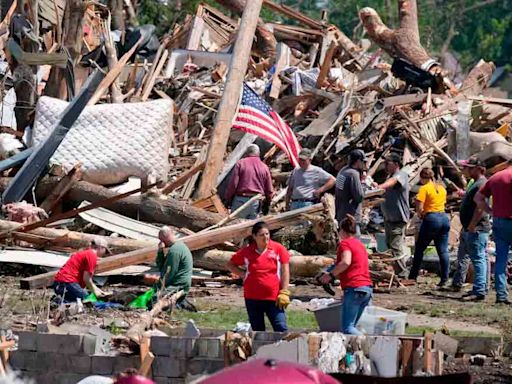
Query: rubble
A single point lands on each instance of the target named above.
(87, 110)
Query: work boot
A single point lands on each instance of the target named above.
(472, 297)
(504, 301)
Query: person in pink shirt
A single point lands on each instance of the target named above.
(250, 177)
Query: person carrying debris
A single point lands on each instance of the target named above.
(435, 225)
(175, 266)
(76, 275)
(349, 190)
(250, 177)
(395, 207)
(266, 274)
(499, 187)
(474, 236)
(307, 183)
(353, 272)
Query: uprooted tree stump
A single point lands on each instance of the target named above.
(403, 42)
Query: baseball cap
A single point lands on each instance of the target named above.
(100, 242)
(357, 154)
(394, 158)
(305, 153)
(472, 162)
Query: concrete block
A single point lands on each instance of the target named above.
(68, 378)
(102, 365)
(163, 380)
(489, 346)
(197, 366)
(122, 363)
(268, 336)
(169, 367)
(91, 345)
(27, 341)
(23, 361)
(178, 347)
(80, 364)
(54, 362)
(295, 351)
(65, 344)
(208, 347)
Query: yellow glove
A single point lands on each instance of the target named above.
(283, 299)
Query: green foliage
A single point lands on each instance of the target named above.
(482, 29)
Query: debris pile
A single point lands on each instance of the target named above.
(93, 100)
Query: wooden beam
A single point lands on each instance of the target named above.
(194, 242)
(183, 178)
(326, 65)
(230, 97)
(61, 189)
(293, 14)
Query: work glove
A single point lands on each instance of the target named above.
(283, 299)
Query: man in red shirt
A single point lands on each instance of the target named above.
(499, 187)
(266, 275)
(76, 274)
(249, 177)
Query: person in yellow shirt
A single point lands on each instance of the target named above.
(430, 207)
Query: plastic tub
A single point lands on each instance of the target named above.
(382, 321)
(374, 321)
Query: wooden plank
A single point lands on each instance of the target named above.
(326, 65)
(428, 361)
(76, 211)
(61, 189)
(194, 242)
(293, 14)
(283, 59)
(183, 178)
(407, 357)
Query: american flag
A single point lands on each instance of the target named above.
(257, 117)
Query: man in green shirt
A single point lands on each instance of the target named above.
(175, 266)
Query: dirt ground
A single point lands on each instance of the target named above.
(427, 308)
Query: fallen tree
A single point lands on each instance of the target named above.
(300, 266)
(144, 207)
(71, 239)
(194, 242)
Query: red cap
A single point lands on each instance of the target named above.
(134, 379)
(269, 371)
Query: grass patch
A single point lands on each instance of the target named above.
(226, 317)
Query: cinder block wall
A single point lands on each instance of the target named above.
(63, 359)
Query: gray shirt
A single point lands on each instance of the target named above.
(396, 204)
(303, 183)
(349, 193)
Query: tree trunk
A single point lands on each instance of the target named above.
(72, 239)
(300, 266)
(170, 211)
(266, 42)
(403, 42)
(72, 35)
(116, 10)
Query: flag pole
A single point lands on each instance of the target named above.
(230, 98)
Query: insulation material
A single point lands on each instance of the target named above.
(111, 141)
(332, 350)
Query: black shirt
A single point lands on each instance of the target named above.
(468, 206)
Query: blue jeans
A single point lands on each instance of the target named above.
(436, 227)
(257, 309)
(355, 301)
(463, 261)
(502, 230)
(300, 204)
(475, 245)
(250, 212)
(70, 291)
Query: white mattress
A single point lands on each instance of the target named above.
(111, 141)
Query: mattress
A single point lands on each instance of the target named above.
(111, 141)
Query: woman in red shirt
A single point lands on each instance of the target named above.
(263, 264)
(354, 274)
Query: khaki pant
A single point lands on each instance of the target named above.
(395, 239)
